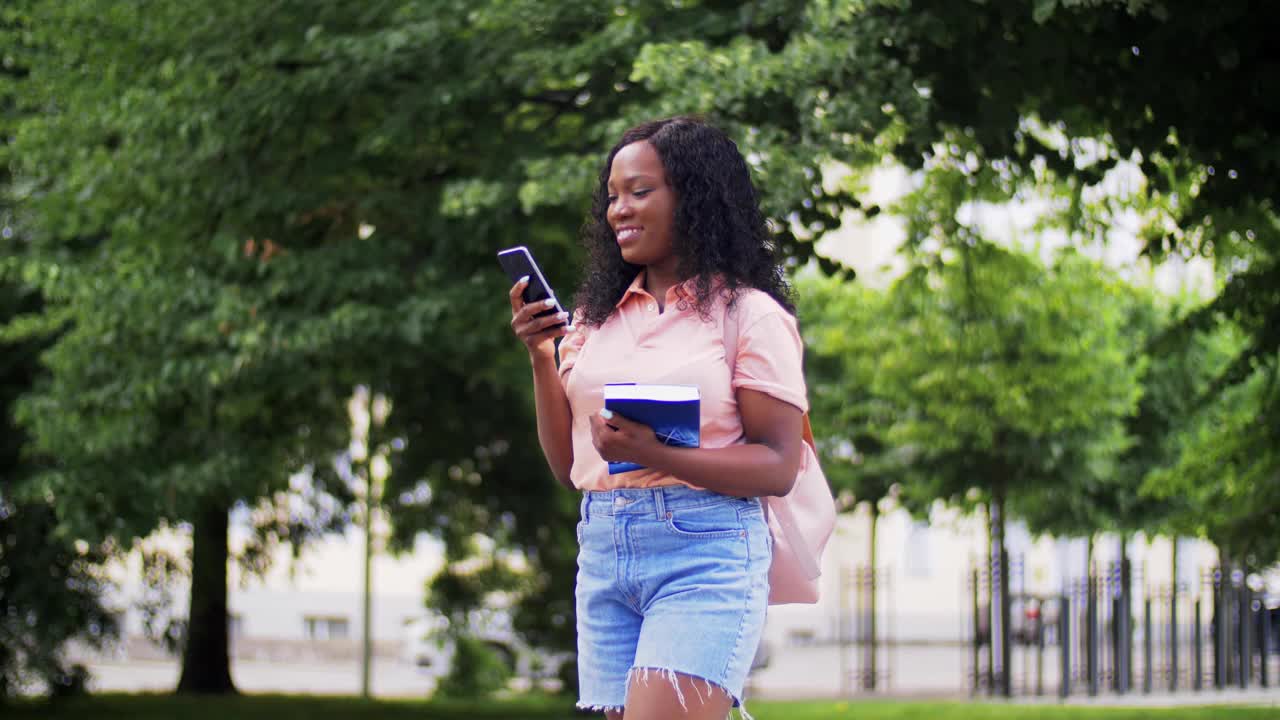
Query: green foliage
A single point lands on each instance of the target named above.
(845, 335)
(50, 586)
(237, 217)
(1224, 452)
(479, 670)
(1069, 92)
(1009, 375)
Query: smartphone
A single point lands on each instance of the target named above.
(518, 262)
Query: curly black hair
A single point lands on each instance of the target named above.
(719, 227)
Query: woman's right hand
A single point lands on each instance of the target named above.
(537, 333)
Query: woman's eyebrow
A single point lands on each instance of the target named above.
(633, 179)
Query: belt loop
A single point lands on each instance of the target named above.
(659, 503)
(585, 506)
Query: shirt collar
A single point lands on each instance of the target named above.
(636, 287)
(684, 289)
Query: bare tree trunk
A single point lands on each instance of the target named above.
(206, 661)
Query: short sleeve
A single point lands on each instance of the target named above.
(770, 358)
(571, 346)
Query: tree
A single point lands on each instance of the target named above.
(50, 586)
(1007, 375)
(1219, 471)
(844, 336)
(237, 217)
(1067, 93)
(1183, 92)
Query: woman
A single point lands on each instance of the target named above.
(674, 559)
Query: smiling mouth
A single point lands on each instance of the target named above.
(627, 233)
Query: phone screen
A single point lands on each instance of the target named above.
(518, 262)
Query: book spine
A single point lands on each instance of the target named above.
(621, 467)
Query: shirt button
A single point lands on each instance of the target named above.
(652, 307)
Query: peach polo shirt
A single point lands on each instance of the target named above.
(678, 347)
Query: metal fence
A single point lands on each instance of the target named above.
(1090, 638)
(866, 633)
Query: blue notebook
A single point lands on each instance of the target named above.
(673, 411)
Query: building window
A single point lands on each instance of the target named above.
(326, 628)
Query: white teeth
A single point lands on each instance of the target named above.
(628, 232)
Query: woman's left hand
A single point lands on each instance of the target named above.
(620, 439)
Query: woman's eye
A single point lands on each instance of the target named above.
(612, 199)
(642, 193)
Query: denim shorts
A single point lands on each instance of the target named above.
(670, 579)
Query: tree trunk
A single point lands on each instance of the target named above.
(206, 661)
(1124, 621)
(1002, 565)
(992, 594)
(1091, 620)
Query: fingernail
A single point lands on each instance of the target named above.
(569, 328)
(550, 302)
(606, 414)
(562, 316)
(524, 279)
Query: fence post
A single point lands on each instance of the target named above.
(976, 644)
(1146, 646)
(1246, 635)
(1091, 636)
(1197, 665)
(1006, 629)
(1173, 635)
(1124, 653)
(1264, 645)
(1040, 648)
(1064, 644)
(844, 641)
(1218, 623)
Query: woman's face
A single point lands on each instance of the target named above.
(641, 205)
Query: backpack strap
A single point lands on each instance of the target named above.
(808, 434)
(730, 324)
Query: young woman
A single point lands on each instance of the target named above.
(674, 559)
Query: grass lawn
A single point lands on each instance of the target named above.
(276, 707)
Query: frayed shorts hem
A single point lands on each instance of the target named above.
(670, 675)
(600, 708)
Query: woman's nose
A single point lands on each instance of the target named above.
(620, 209)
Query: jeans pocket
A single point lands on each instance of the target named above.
(705, 523)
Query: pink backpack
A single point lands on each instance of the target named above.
(801, 521)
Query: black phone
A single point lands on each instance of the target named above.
(518, 262)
